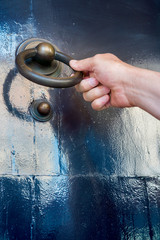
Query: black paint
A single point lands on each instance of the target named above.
(6, 95)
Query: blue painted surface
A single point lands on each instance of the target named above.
(90, 207)
(84, 175)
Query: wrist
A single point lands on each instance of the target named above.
(134, 81)
(130, 84)
(144, 90)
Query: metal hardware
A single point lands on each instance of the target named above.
(41, 110)
(54, 69)
(44, 108)
(45, 54)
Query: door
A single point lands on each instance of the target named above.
(82, 174)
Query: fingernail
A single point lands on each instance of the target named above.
(93, 82)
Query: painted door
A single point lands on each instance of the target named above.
(83, 174)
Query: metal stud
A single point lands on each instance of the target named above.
(41, 110)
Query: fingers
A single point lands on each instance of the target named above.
(96, 93)
(86, 84)
(82, 65)
(101, 103)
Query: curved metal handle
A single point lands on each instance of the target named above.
(46, 53)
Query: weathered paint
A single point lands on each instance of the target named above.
(84, 174)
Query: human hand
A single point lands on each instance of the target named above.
(106, 81)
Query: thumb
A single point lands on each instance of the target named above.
(82, 65)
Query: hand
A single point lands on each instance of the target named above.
(106, 81)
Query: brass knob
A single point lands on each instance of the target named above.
(45, 53)
(41, 110)
(44, 108)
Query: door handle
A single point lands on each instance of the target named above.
(45, 53)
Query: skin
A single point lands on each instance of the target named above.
(108, 81)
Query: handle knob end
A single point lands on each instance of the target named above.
(45, 53)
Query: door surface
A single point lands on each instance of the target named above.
(83, 174)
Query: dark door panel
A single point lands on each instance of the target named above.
(83, 174)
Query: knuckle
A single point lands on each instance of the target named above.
(97, 91)
(110, 55)
(97, 57)
(101, 90)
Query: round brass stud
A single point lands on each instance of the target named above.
(41, 110)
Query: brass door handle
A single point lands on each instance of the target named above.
(46, 53)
